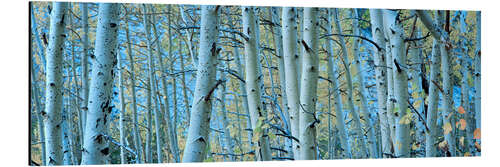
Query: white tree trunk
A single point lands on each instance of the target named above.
(309, 85)
(96, 147)
(290, 55)
(365, 113)
(54, 86)
(278, 44)
(402, 114)
(356, 124)
(430, 136)
(197, 138)
(85, 69)
(35, 88)
(253, 81)
(137, 141)
(339, 113)
(122, 110)
(156, 111)
(376, 19)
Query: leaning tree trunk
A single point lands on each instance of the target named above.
(430, 136)
(278, 44)
(376, 20)
(96, 148)
(402, 114)
(156, 111)
(365, 113)
(257, 113)
(54, 86)
(197, 138)
(135, 129)
(290, 58)
(356, 124)
(449, 134)
(242, 85)
(339, 113)
(308, 87)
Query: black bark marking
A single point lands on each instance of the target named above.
(105, 84)
(105, 151)
(62, 19)
(97, 122)
(397, 66)
(44, 38)
(52, 84)
(306, 47)
(52, 161)
(201, 139)
(112, 25)
(100, 73)
(92, 56)
(98, 138)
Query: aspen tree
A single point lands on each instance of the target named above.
(54, 86)
(96, 147)
(197, 138)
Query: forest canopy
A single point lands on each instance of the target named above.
(167, 83)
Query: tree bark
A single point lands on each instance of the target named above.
(257, 113)
(356, 124)
(308, 87)
(402, 113)
(96, 148)
(197, 138)
(54, 86)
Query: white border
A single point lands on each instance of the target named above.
(14, 79)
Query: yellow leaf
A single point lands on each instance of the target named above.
(406, 119)
(461, 124)
(461, 140)
(415, 146)
(467, 154)
(461, 110)
(447, 128)
(443, 144)
(477, 133)
(478, 146)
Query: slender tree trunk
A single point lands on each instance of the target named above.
(137, 141)
(290, 58)
(85, 69)
(122, 110)
(65, 119)
(401, 112)
(257, 113)
(278, 44)
(242, 86)
(171, 125)
(157, 113)
(365, 113)
(356, 124)
(36, 97)
(430, 136)
(197, 139)
(308, 87)
(376, 20)
(96, 147)
(54, 86)
(225, 123)
(339, 113)
(149, 87)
